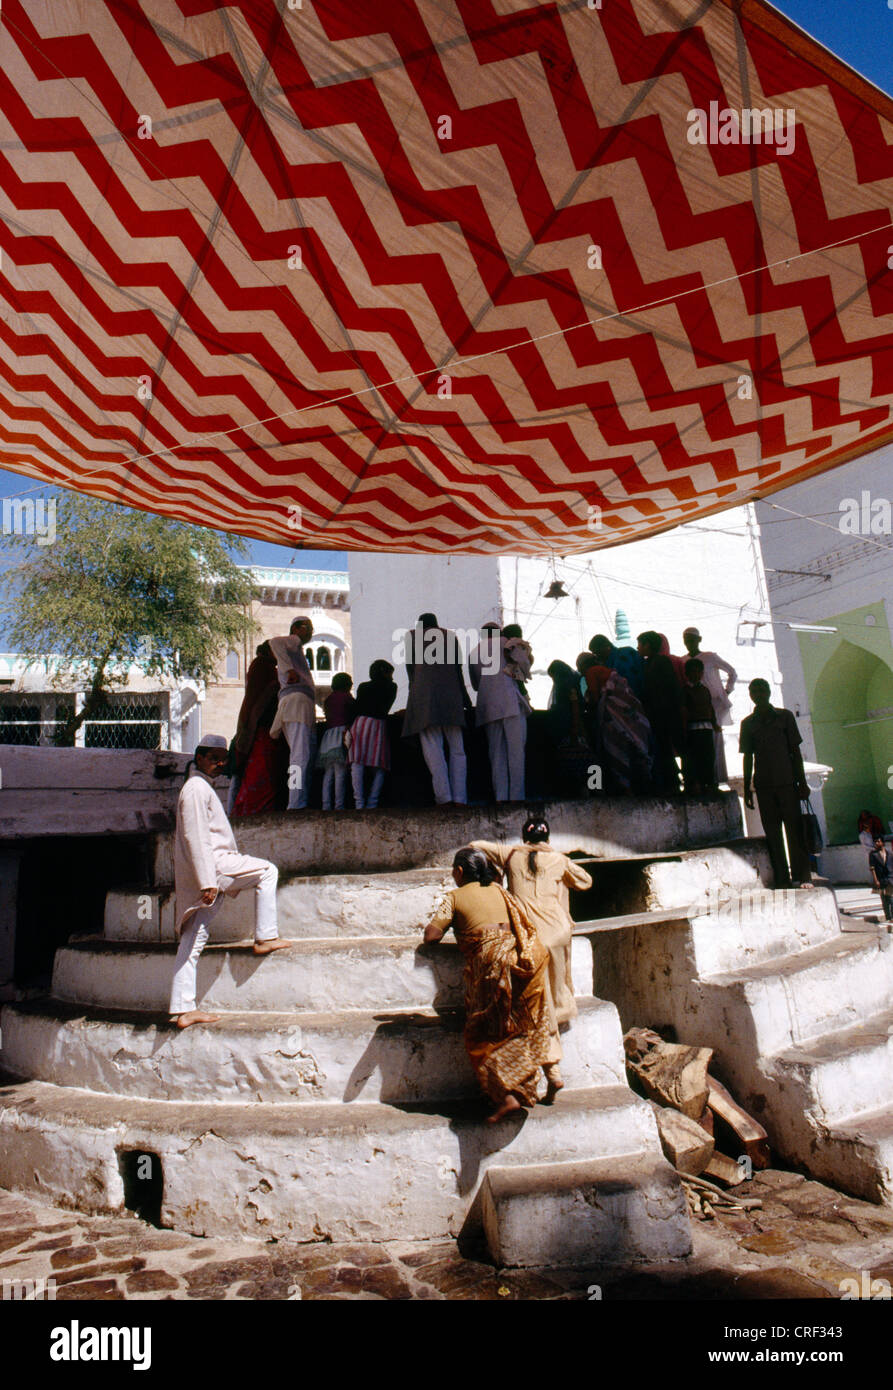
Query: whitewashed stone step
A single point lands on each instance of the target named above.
(858, 1154)
(391, 903)
(754, 927)
(299, 1172)
(800, 996)
(693, 875)
(347, 973)
(762, 925)
(604, 1211)
(391, 839)
(326, 906)
(280, 1057)
(841, 1073)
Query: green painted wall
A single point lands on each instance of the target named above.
(848, 676)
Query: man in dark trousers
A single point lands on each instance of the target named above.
(880, 861)
(436, 706)
(662, 699)
(770, 742)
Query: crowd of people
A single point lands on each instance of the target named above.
(638, 710)
(620, 721)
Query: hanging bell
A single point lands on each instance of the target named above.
(556, 590)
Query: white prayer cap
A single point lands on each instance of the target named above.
(212, 741)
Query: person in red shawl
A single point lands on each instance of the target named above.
(258, 759)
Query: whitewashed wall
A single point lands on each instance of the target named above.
(709, 574)
(388, 592)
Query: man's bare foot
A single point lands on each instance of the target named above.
(194, 1016)
(508, 1107)
(263, 948)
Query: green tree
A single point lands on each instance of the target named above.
(117, 587)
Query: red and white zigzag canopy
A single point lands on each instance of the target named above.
(437, 275)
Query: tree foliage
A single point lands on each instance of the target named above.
(119, 587)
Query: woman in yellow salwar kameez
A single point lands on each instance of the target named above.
(510, 1027)
(538, 878)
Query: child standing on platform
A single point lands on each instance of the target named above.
(369, 734)
(339, 708)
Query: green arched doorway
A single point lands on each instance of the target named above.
(852, 719)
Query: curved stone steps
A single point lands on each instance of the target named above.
(302, 1172)
(402, 901)
(280, 1058)
(390, 838)
(346, 973)
(327, 905)
(762, 926)
(802, 995)
(840, 1073)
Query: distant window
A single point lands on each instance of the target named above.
(323, 659)
(309, 655)
(232, 665)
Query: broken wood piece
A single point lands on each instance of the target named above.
(674, 1075)
(751, 1135)
(688, 1147)
(638, 1041)
(725, 1170)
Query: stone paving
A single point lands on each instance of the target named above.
(801, 1244)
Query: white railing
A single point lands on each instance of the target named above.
(284, 576)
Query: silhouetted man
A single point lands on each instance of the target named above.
(770, 742)
(662, 699)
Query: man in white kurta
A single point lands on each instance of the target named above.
(296, 712)
(207, 865)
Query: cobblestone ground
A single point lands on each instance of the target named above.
(804, 1241)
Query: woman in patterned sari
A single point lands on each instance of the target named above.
(623, 734)
(510, 1028)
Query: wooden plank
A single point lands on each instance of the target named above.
(666, 856)
(724, 1170)
(635, 919)
(749, 1132)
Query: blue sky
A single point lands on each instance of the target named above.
(858, 31)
